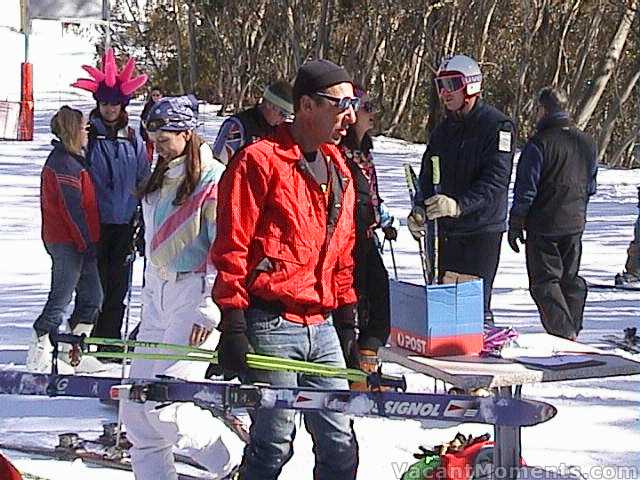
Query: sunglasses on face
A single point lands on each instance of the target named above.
(109, 104)
(342, 103)
(450, 84)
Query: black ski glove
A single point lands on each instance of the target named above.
(515, 233)
(344, 321)
(233, 345)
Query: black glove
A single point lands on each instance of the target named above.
(234, 344)
(344, 321)
(515, 233)
(390, 233)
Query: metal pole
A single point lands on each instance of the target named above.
(436, 247)
(25, 26)
(106, 16)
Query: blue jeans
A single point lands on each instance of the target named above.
(70, 270)
(272, 431)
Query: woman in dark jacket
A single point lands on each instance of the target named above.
(70, 231)
(372, 279)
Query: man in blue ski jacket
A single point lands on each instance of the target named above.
(474, 146)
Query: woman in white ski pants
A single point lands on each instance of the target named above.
(179, 213)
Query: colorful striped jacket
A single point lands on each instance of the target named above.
(178, 237)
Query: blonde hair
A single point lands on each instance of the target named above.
(67, 125)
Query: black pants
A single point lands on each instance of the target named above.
(114, 247)
(372, 287)
(559, 292)
(477, 255)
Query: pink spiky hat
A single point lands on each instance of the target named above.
(107, 85)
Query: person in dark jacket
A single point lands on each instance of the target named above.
(155, 94)
(254, 123)
(474, 146)
(371, 277)
(118, 164)
(555, 177)
(70, 232)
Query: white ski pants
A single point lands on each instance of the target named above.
(170, 308)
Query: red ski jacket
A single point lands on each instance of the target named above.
(279, 236)
(68, 201)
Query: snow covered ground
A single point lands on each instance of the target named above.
(597, 428)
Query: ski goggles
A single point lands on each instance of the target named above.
(156, 124)
(342, 103)
(450, 83)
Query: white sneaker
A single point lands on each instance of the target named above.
(39, 356)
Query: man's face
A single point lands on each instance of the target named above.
(170, 145)
(272, 114)
(453, 101)
(110, 111)
(329, 120)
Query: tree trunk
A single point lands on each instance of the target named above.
(193, 48)
(178, 47)
(612, 115)
(322, 42)
(591, 97)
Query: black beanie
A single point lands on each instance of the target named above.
(316, 75)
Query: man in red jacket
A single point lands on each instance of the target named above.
(284, 255)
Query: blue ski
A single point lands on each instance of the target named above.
(397, 405)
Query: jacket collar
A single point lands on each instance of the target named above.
(287, 148)
(555, 120)
(58, 145)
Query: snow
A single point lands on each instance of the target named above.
(596, 430)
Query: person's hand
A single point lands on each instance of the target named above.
(416, 222)
(199, 335)
(233, 345)
(515, 233)
(390, 233)
(440, 206)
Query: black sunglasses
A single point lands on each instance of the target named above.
(342, 103)
(111, 104)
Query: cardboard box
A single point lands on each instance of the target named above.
(438, 320)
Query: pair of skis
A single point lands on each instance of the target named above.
(428, 247)
(496, 410)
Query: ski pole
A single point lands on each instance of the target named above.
(255, 361)
(393, 260)
(435, 160)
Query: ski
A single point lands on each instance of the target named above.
(423, 244)
(386, 404)
(612, 286)
(102, 458)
